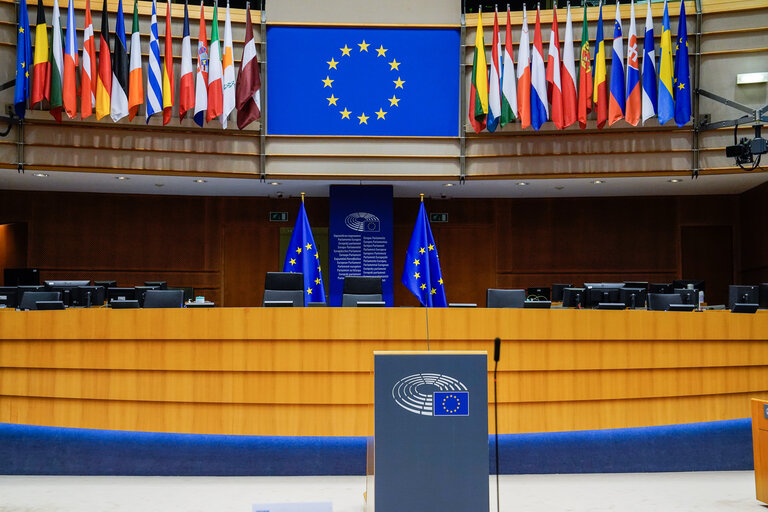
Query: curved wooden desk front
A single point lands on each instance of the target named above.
(282, 371)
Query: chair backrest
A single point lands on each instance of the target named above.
(661, 301)
(284, 281)
(350, 300)
(360, 285)
(495, 298)
(295, 296)
(29, 299)
(164, 299)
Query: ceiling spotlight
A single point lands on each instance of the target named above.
(122, 178)
(522, 183)
(448, 185)
(159, 184)
(40, 175)
(559, 187)
(597, 182)
(200, 181)
(675, 180)
(274, 183)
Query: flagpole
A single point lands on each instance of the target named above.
(426, 307)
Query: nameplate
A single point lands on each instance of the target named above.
(320, 506)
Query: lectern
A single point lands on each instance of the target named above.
(430, 446)
(760, 447)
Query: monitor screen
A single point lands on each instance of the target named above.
(87, 296)
(689, 295)
(743, 294)
(21, 276)
(763, 296)
(557, 291)
(121, 294)
(636, 284)
(69, 284)
(633, 297)
(697, 284)
(573, 297)
(660, 288)
(595, 296)
(8, 295)
(538, 294)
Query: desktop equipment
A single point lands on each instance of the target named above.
(660, 288)
(537, 304)
(538, 294)
(22, 289)
(283, 289)
(49, 305)
(124, 304)
(141, 291)
(371, 303)
(21, 277)
(633, 298)
(689, 295)
(499, 298)
(743, 294)
(161, 285)
(120, 294)
(189, 292)
(636, 284)
(8, 296)
(87, 296)
(164, 299)
(697, 284)
(557, 291)
(573, 297)
(462, 305)
(106, 284)
(682, 307)
(763, 296)
(744, 308)
(68, 283)
(30, 298)
(610, 305)
(663, 301)
(597, 294)
(277, 304)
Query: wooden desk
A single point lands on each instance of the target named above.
(283, 371)
(760, 447)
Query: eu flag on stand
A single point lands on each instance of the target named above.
(302, 256)
(421, 274)
(682, 72)
(23, 61)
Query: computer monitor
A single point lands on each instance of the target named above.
(689, 295)
(538, 294)
(49, 305)
(9, 296)
(596, 295)
(141, 291)
(660, 288)
(22, 289)
(636, 284)
(161, 285)
(164, 299)
(763, 296)
(557, 291)
(697, 284)
(66, 292)
(21, 277)
(68, 283)
(603, 285)
(106, 284)
(633, 297)
(662, 301)
(30, 298)
(189, 292)
(87, 296)
(573, 297)
(743, 294)
(120, 294)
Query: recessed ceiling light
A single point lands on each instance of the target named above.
(40, 175)
(559, 187)
(159, 184)
(122, 178)
(522, 183)
(274, 183)
(675, 180)
(597, 182)
(200, 181)
(448, 185)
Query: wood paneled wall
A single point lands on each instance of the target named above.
(222, 246)
(754, 235)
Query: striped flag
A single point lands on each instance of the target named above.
(478, 88)
(104, 77)
(539, 110)
(508, 79)
(57, 63)
(248, 80)
(634, 97)
(119, 96)
(570, 102)
(554, 81)
(154, 74)
(666, 104)
(524, 75)
(215, 93)
(585, 74)
(228, 75)
(494, 83)
(168, 85)
(600, 93)
(617, 101)
(650, 94)
(41, 73)
(201, 78)
(69, 76)
(682, 72)
(187, 80)
(24, 61)
(136, 75)
(87, 80)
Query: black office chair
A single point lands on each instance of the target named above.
(662, 301)
(283, 287)
(164, 299)
(362, 289)
(496, 298)
(29, 299)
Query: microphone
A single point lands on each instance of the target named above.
(496, 349)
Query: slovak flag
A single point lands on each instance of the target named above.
(617, 101)
(524, 75)
(554, 87)
(539, 110)
(632, 114)
(494, 81)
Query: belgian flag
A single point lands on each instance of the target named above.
(41, 72)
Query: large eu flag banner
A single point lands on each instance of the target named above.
(363, 81)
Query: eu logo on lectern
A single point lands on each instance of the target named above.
(355, 81)
(451, 403)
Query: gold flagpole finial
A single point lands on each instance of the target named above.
(422, 197)
(302, 196)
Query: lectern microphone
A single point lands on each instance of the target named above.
(496, 349)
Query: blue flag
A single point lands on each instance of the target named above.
(302, 256)
(23, 61)
(355, 81)
(421, 274)
(451, 403)
(682, 72)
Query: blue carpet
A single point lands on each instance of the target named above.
(34, 450)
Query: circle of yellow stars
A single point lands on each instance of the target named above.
(454, 409)
(346, 51)
(417, 274)
(292, 261)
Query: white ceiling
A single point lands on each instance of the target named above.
(569, 187)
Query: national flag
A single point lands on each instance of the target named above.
(634, 93)
(201, 76)
(600, 93)
(421, 274)
(88, 65)
(554, 80)
(494, 83)
(41, 73)
(154, 73)
(666, 104)
(617, 100)
(508, 79)
(104, 77)
(23, 61)
(524, 75)
(168, 85)
(585, 74)
(57, 63)
(650, 93)
(302, 256)
(215, 92)
(69, 76)
(228, 74)
(187, 80)
(136, 75)
(248, 80)
(478, 88)
(119, 96)
(539, 109)
(682, 72)
(570, 102)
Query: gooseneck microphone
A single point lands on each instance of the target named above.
(496, 349)
(496, 355)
